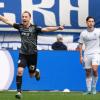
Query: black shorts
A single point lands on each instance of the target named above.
(27, 60)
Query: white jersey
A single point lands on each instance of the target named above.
(91, 41)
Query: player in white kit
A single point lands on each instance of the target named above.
(91, 40)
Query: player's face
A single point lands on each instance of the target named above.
(26, 19)
(90, 23)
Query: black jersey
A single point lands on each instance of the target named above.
(28, 38)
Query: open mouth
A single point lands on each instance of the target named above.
(24, 21)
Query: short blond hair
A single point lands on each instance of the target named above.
(27, 13)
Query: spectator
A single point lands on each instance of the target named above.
(59, 45)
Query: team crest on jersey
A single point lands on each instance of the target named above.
(30, 29)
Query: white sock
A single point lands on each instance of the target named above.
(88, 83)
(94, 81)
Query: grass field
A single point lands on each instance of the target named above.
(9, 95)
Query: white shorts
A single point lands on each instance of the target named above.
(91, 59)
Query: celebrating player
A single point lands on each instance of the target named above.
(28, 50)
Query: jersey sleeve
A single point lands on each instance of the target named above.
(17, 26)
(38, 29)
(81, 40)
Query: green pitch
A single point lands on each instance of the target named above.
(9, 95)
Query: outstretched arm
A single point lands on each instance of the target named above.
(53, 28)
(5, 20)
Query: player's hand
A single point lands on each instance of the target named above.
(60, 27)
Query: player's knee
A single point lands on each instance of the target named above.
(20, 71)
(88, 72)
(95, 73)
(95, 68)
(32, 74)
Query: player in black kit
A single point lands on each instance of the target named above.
(28, 50)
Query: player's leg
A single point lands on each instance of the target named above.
(21, 66)
(88, 81)
(32, 64)
(95, 63)
(37, 74)
(33, 71)
(87, 60)
(94, 82)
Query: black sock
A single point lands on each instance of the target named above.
(19, 83)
